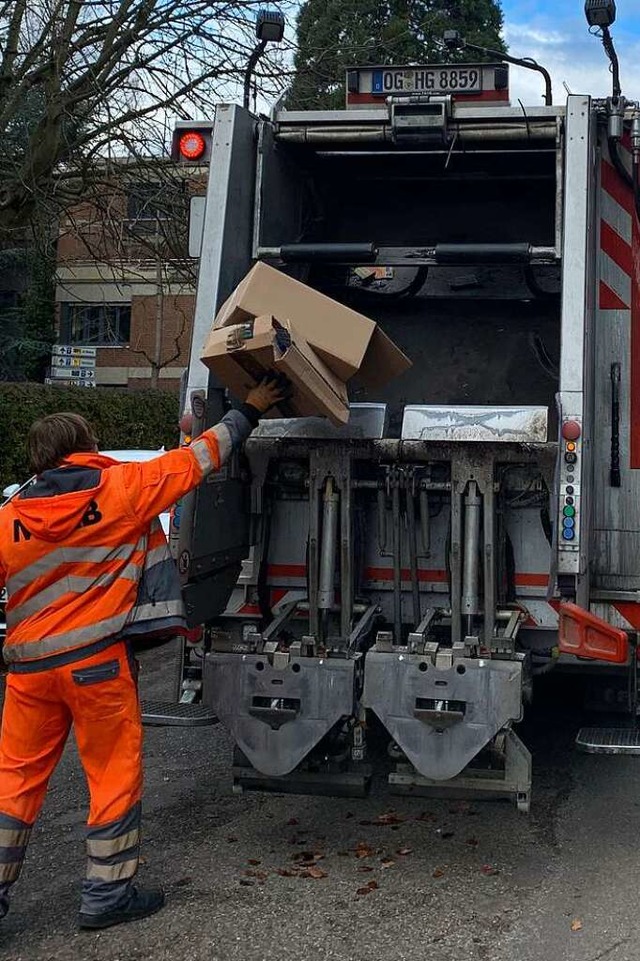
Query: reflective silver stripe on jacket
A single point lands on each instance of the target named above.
(69, 555)
(69, 585)
(202, 454)
(58, 643)
(225, 441)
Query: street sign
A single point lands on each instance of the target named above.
(72, 373)
(69, 350)
(88, 363)
(57, 382)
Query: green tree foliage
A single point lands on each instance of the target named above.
(146, 419)
(334, 35)
(27, 311)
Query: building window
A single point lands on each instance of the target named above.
(95, 325)
(155, 201)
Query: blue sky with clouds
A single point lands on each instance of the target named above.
(556, 34)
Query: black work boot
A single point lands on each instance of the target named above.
(141, 903)
(4, 898)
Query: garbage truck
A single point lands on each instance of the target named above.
(381, 596)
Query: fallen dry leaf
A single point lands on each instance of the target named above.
(387, 862)
(232, 840)
(404, 851)
(246, 882)
(287, 872)
(438, 873)
(364, 868)
(576, 925)
(488, 869)
(253, 861)
(259, 875)
(426, 816)
(363, 891)
(313, 872)
(444, 833)
(363, 850)
(389, 818)
(472, 842)
(373, 885)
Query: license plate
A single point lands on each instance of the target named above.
(427, 80)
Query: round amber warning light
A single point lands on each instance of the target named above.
(571, 430)
(192, 145)
(571, 446)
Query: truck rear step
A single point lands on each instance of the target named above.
(170, 714)
(608, 740)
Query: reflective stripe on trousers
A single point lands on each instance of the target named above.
(112, 861)
(14, 837)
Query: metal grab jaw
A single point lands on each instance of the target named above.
(277, 713)
(442, 715)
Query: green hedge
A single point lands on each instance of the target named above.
(122, 419)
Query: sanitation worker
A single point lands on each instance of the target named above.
(87, 568)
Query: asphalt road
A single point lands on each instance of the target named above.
(473, 881)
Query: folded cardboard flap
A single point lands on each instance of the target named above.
(241, 354)
(348, 342)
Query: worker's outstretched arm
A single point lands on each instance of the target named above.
(153, 486)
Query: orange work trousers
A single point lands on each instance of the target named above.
(97, 696)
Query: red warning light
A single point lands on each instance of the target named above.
(571, 430)
(192, 145)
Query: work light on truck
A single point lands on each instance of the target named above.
(600, 13)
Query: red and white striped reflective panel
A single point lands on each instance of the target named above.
(619, 282)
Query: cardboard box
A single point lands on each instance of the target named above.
(348, 342)
(241, 354)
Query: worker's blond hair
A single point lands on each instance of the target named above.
(54, 437)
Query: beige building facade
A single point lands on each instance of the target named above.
(125, 282)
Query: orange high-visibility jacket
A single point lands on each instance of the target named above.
(74, 545)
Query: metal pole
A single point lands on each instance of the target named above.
(397, 562)
(330, 514)
(258, 50)
(470, 598)
(413, 555)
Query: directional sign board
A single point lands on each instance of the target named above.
(72, 373)
(87, 363)
(57, 382)
(72, 365)
(70, 350)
